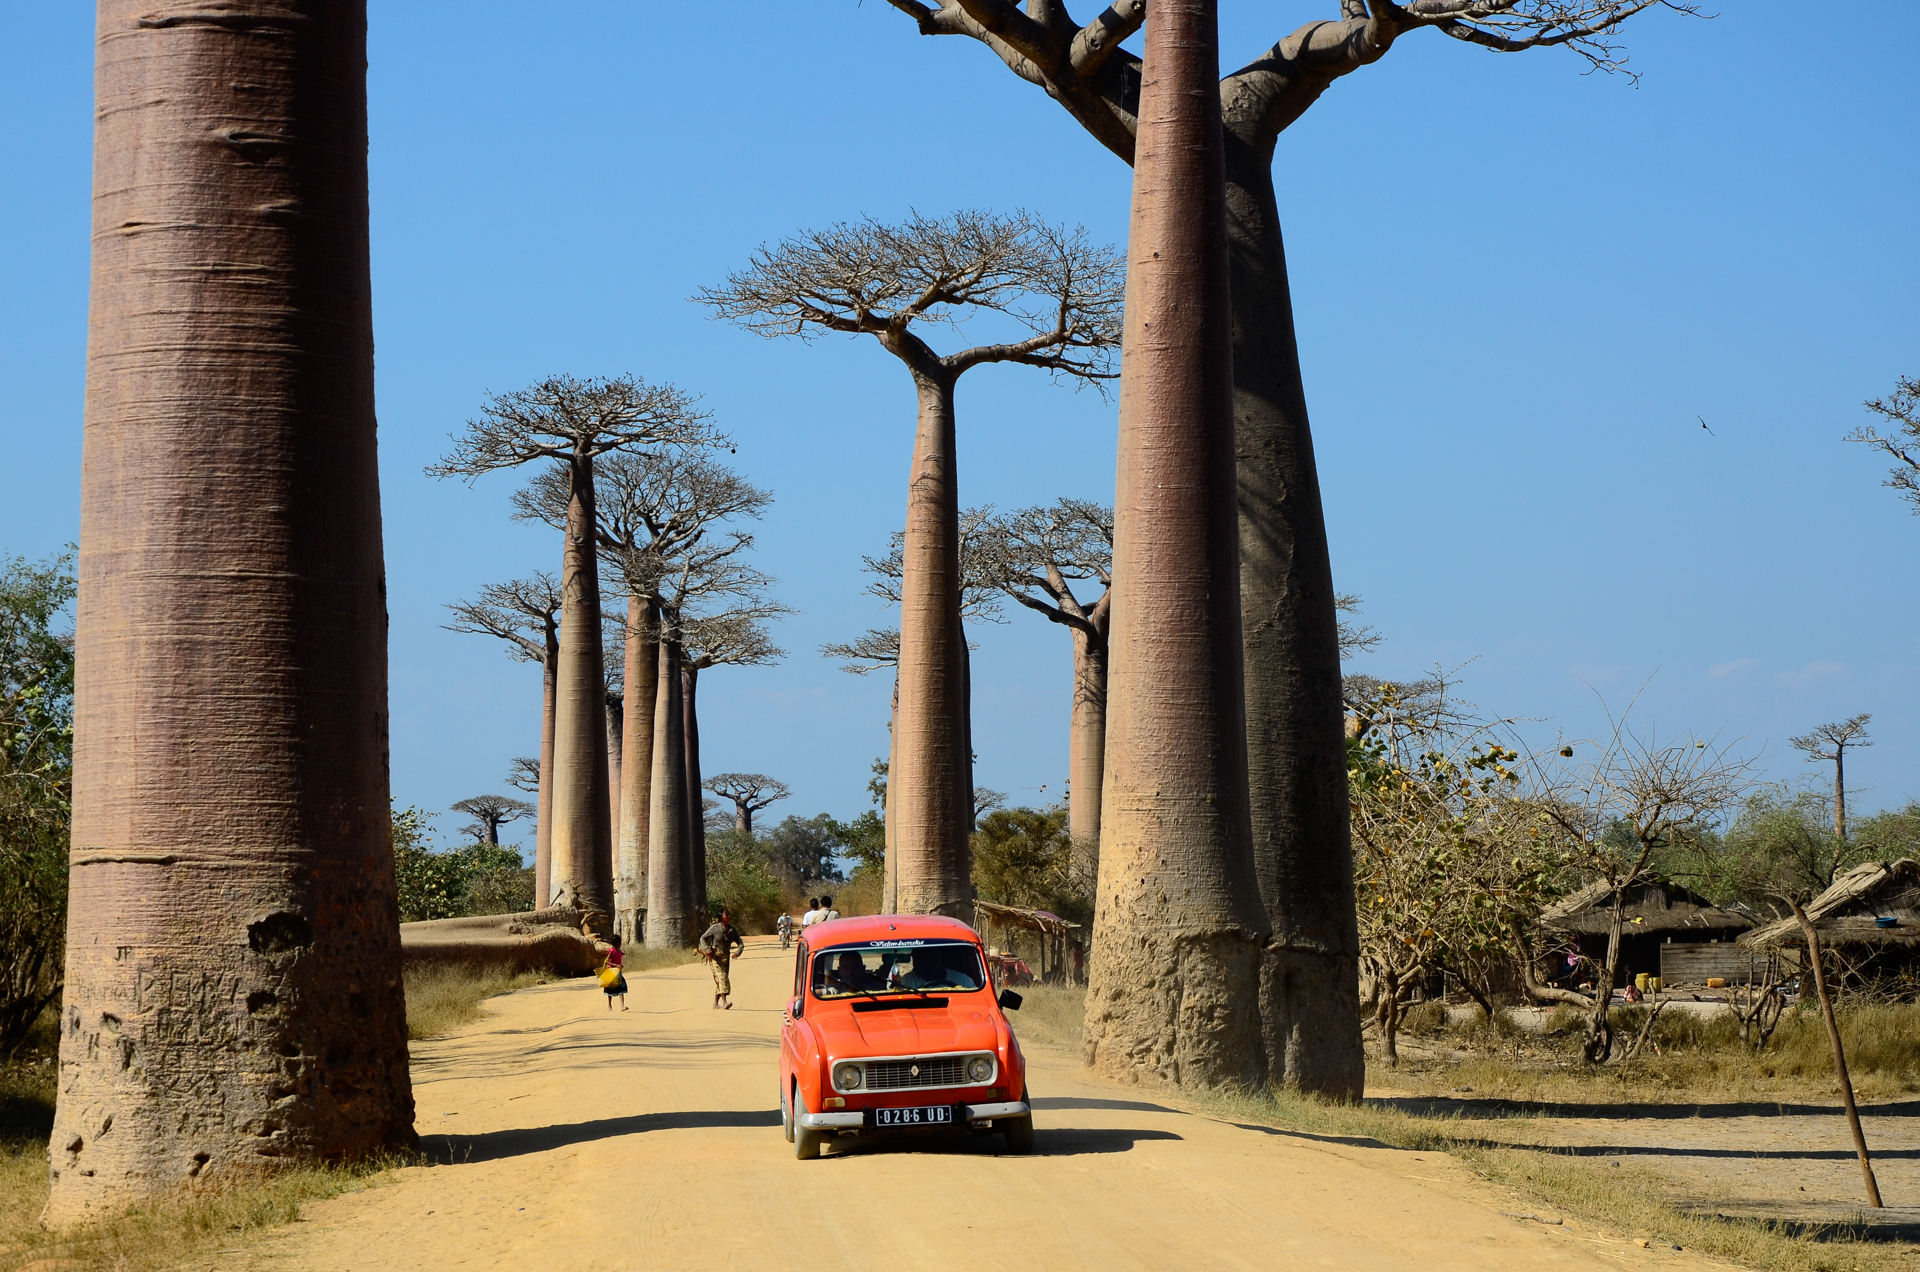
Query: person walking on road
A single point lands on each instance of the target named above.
(718, 945)
(812, 916)
(615, 985)
(826, 909)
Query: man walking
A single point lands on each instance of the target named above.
(717, 945)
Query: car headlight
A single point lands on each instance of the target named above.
(980, 1069)
(847, 1077)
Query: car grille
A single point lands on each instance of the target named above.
(899, 1075)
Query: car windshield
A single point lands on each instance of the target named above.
(896, 967)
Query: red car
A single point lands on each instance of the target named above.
(894, 1027)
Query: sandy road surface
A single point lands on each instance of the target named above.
(576, 1139)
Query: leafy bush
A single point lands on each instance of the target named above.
(36, 788)
(1024, 857)
(740, 880)
(477, 878)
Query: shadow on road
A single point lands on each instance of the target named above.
(457, 1150)
(1442, 1106)
(1048, 1141)
(1081, 1102)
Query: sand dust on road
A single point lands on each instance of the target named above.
(568, 1137)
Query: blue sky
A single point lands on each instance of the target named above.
(1516, 285)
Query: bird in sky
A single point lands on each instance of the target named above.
(1703, 424)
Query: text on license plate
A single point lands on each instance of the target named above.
(928, 1115)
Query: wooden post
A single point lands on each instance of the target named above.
(1839, 1054)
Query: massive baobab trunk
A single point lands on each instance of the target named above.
(582, 852)
(1296, 747)
(669, 896)
(636, 780)
(929, 784)
(890, 882)
(616, 755)
(1087, 751)
(1178, 922)
(543, 815)
(233, 998)
(696, 799)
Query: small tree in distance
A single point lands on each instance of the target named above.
(1830, 742)
(490, 813)
(1058, 297)
(750, 793)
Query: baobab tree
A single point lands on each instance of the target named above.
(1830, 742)
(735, 638)
(891, 282)
(526, 614)
(1040, 553)
(1178, 926)
(1297, 762)
(490, 813)
(649, 506)
(749, 793)
(573, 423)
(979, 599)
(233, 1001)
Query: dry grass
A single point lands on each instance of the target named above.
(1050, 1016)
(1691, 1059)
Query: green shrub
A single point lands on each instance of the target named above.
(1424, 1018)
(476, 878)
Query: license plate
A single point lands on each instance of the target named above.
(927, 1115)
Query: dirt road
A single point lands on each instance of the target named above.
(572, 1138)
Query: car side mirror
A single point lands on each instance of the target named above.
(794, 1008)
(1009, 1001)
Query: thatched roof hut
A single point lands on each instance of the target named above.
(1876, 905)
(1652, 906)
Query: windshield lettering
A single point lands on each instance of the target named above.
(865, 971)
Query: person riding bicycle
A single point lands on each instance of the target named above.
(784, 925)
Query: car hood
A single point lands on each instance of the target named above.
(904, 1032)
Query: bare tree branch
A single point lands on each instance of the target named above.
(565, 418)
(524, 612)
(879, 647)
(1901, 408)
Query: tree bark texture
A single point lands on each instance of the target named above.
(1296, 748)
(929, 786)
(1086, 751)
(233, 999)
(696, 799)
(582, 853)
(616, 755)
(1178, 921)
(636, 774)
(669, 896)
(543, 816)
(890, 883)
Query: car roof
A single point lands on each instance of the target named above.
(881, 927)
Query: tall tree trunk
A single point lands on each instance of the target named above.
(1296, 744)
(1178, 924)
(1818, 968)
(696, 800)
(890, 881)
(543, 816)
(616, 756)
(1839, 794)
(636, 771)
(582, 854)
(1086, 752)
(669, 898)
(233, 999)
(929, 784)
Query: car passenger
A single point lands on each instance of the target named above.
(933, 970)
(851, 974)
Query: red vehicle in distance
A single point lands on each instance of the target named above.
(894, 1027)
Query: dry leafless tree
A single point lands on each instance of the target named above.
(750, 793)
(1901, 409)
(1296, 755)
(1038, 555)
(526, 614)
(1056, 297)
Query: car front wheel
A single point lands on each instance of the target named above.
(1018, 1130)
(806, 1142)
(786, 1116)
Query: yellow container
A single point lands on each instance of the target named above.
(1640, 982)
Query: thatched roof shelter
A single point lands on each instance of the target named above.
(1876, 904)
(991, 912)
(1652, 906)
